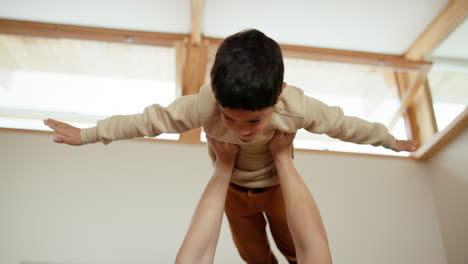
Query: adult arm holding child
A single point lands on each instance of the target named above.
(200, 242)
(304, 220)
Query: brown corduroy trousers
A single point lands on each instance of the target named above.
(246, 210)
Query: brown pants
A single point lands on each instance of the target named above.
(246, 210)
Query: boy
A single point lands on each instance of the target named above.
(245, 103)
(304, 218)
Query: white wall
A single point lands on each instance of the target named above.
(131, 202)
(449, 178)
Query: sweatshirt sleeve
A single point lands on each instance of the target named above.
(180, 116)
(323, 119)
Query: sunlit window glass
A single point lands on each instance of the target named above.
(80, 81)
(448, 82)
(363, 91)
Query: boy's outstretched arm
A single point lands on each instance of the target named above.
(200, 242)
(180, 116)
(331, 120)
(304, 220)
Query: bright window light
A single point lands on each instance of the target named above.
(80, 81)
(203, 136)
(449, 89)
(366, 92)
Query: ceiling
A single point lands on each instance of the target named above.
(367, 25)
(456, 45)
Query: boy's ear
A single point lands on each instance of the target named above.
(282, 88)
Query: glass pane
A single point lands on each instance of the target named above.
(80, 81)
(448, 78)
(366, 92)
(449, 89)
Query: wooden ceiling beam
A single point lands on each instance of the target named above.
(193, 79)
(196, 15)
(448, 19)
(416, 102)
(416, 106)
(195, 65)
(346, 56)
(401, 81)
(410, 88)
(380, 60)
(37, 29)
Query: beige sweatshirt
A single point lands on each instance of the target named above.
(254, 165)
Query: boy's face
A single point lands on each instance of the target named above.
(245, 123)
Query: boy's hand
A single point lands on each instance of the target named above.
(69, 134)
(281, 143)
(226, 153)
(405, 145)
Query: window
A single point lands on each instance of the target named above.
(363, 91)
(80, 81)
(449, 89)
(448, 78)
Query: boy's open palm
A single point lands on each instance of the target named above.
(68, 134)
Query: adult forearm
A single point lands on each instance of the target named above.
(200, 242)
(303, 216)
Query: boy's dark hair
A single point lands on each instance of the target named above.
(248, 71)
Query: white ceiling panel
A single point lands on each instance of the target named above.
(171, 16)
(456, 44)
(368, 25)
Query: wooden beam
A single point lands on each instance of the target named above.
(442, 138)
(424, 112)
(195, 67)
(448, 19)
(193, 79)
(17, 27)
(346, 56)
(417, 100)
(401, 80)
(411, 90)
(196, 14)
(416, 107)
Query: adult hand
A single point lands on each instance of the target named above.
(226, 153)
(281, 143)
(68, 134)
